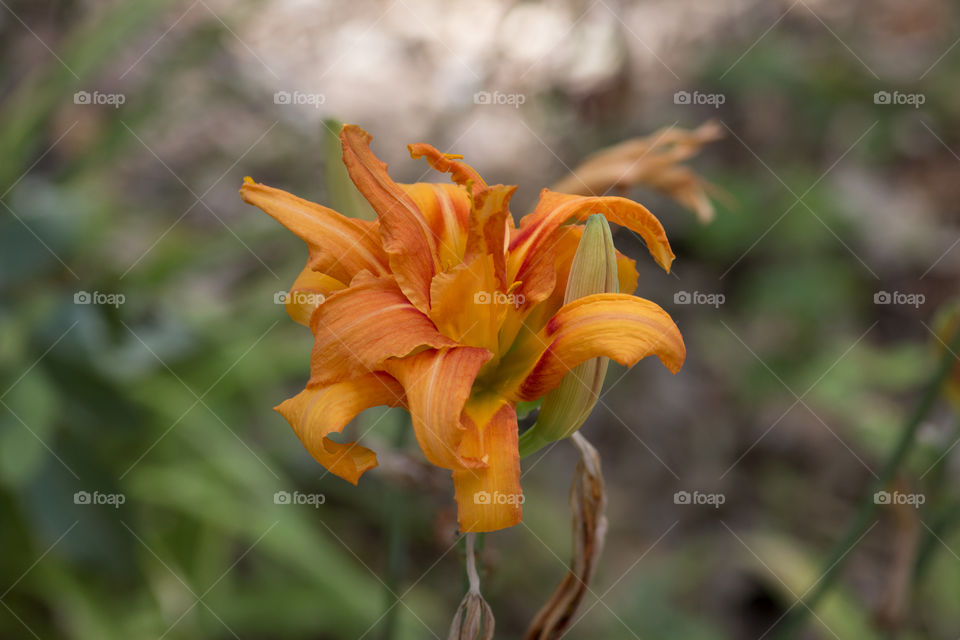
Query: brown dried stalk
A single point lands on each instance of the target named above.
(652, 161)
(588, 501)
(474, 617)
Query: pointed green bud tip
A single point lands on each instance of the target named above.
(566, 408)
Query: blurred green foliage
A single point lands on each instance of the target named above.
(166, 398)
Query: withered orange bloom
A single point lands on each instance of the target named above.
(445, 307)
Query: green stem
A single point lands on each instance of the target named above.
(944, 508)
(797, 617)
(942, 522)
(397, 537)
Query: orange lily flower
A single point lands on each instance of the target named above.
(445, 307)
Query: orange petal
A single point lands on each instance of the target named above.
(447, 210)
(461, 173)
(316, 412)
(437, 384)
(527, 321)
(619, 326)
(309, 290)
(356, 329)
(538, 228)
(407, 238)
(339, 246)
(466, 304)
(490, 220)
(489, 497)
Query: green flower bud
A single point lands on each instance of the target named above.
(566, 408)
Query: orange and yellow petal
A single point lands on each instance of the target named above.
(356, 329)
(621, 327)
(317, 412)
(467, 305)
(461, 173)
(406, 235)
(437, 384)
(447, 210)
(339, 246)
(490, 222)
(489, 497)
(554, 209)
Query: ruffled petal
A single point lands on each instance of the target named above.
(437, 384)
(317, 412)
(489, 497)
(490, 216)
(339, 246)
(356, 329)
(619, 326)
(407, 238)
(490, 221)
(460, 172)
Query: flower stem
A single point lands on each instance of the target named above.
(396, 534)
(793, 622)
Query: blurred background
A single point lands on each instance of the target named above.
(141, 348)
